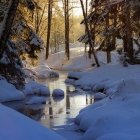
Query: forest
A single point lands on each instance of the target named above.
(69, 69)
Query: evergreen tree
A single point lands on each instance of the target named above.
(112, 19)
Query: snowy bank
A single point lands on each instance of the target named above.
(106, 73)
(44, 72)
(79, 60)
(15, 126)
(33, 87)
(8, 92)
(115, 117)
(36, 100)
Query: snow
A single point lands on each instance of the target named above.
(69, 131)
(36, 100)
(4, 59)
(15, 126)
(69, 81)
(105, 73)
(99, 96)
(35, 42)
(75, 75)
(57, 93)
(115, 58)
(33, 87)
(86, 88)
(30, 75)
(116, 116)
(8, 92)
(43, 72)
(79, 60)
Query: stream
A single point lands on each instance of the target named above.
(57, 111)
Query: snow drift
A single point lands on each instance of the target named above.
(15, 126)
(8, 92)
(116, 117)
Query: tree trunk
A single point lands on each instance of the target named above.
(86, 17)
(108, 47)
(66, 12)
(113, 46)
(49, 27)
(89, 35)
(128, 28)
(8, 24)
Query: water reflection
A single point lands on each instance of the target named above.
(50, 109)
(67, 104)
(59, 111)
(89, 100)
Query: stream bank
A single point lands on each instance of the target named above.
(57, 111)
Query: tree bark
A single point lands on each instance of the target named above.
(89, 35)
(13, 4)
(115, 24)
(49, 27)
(128, 33)
(66, 12)
(108, 47)
(86, 17)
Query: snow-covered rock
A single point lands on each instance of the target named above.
(109, 87)
(69, 81)
(53, 74)
(74, 75)
(57, 93)
(44, 72)
(30, 75)
(99, 95)
(36, 100)
(8, 92)
(33, 87)
(86, 88)
(15, 126)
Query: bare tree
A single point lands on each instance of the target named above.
(50, 4)
(107, 39)
(67, 30)
(89, 35)
(128, 31)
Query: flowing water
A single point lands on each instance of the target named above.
(61, 110)
(58, 111)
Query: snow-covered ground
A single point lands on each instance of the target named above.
(36, 100)
(34, 88)
(8, 92)
(43, 72)
(78, 59)
(116, 117)
(15, 126)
